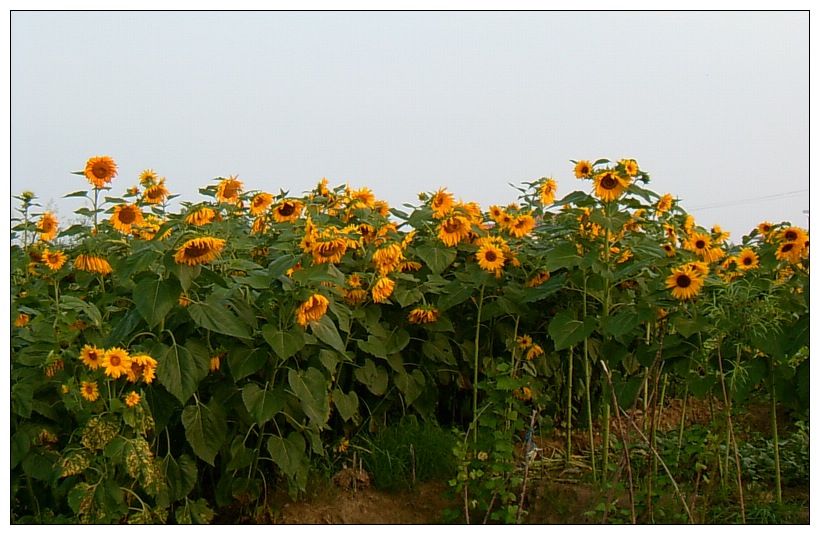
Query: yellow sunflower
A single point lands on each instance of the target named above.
(524, 393)
(92, 264)
(260, 203)
(363, 196)
(496, 213)
(630, 167)
(92, 356)
(89, 390)
(583, 169)
(156, 194)
(54, 259)
(425, 314)
(148, 178)
(388, 258)
(538, 279)
(126, 215)
(790, 251)
(312, 310)
(116, 362)
(22, 320)
(199, 250)
(697, 242)
(441, 203)
(287, 210)
(382, 290)
(328, 247)
(184, 300)
(764, 228)
(685, 282)
(490, 257)
(229, 190)
(534, 352)
(609, 185)
(100, 170)
(215, 363)
(669, 249)
(132, 399)
(521, 225)
(547, 191)
(792, 234)
(747, 259)
(355, 296)
(664, 204)
(48, 226)
(142, 367)
(719, 235)
(524, 341)
(453, 230)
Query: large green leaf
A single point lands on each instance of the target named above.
(566, 331)
(563, 255)
(346, 404)
(180, 370)
(263, 404)
(205, 428)
(373, 377)
(326, 331)
(373, 345)
(410, 384)
(215, 317)
(180, 475)
(154, 298)
(310, 387)
(284, 343)
(437, 257)
(287, 453)
(70, 302)
(122, 328)
(244, 361)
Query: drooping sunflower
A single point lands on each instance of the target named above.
(22, 320)
(100, 170)
(201, 216)
(534, 352)
(423, 314)
(609, 185)
(116, 362)
(199, 250)
(490, 257)
(355, 296)
(229, 190)
(125, 216)
(54, 259)
(312, 310)
(747, 259)
(383, 289)
(583, 169)
(260, 225)
(260, 203)
(538, 279)
(89, 390)
(142, 367)
(92, 356)
(92, 264)
(453, 230)
(441, 202)
(664, 204)
(685, 282)
(149, 228)
(132, 399)
(215, 363)
(521, 225)
(287, 210)
(328, 247)
(388, 258)
(156, 194)
(547, 191)
(47, 226)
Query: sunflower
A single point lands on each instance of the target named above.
(406, 267)
(547, 191)
(156, 194)
(260, 203)
(54, 259)
(382, 290)
(764, 228)
(583, 169)
(312, 310)
(425, 314)
(524, 341)
(630, 167)
(524, 393)
(538, 279)
(89, 390)
(441, 202)
(534, 352)
(669, 248)
(328, 247)
(215, 363)
(229, 190)
(719, 235)
(142, 367)
(664, 204)
(609, 185)
(126, 215)
(150, 226)
(287, 210)
(453, 230)
(199, 250)
(92, 264)
(148, 178)
(496, 213)
(184, 300)
(793, 234)
(132, 399)
(388, 258)
(22, 320)
(747, 259)
(490, 257)
(790, 251)
(522, 225)
(363, 196)
(697, 242)
(355, 296)
(116, 362)
(685, 282)
(92, 356)
(48, 226)
(100, 170)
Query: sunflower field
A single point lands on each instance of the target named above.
(166, 364)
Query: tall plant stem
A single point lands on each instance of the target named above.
(727, 400)
(588, 396)
(682, 422)
(475, 364)
(604, 316)
(775, 439)
(568, 455)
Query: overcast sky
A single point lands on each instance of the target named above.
(714, 105)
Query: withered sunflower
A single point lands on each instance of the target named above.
(116, 362)
(609, 185)
(490, 257)
(312, 310)
(229, 190)
(92, 264)
(199, 250)
(100, 170)
(382, 290)
(685, 282)
(48, 225)
(125, 216)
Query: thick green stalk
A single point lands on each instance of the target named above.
(774, 436)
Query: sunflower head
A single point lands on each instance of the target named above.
(383, 289)
(747, 259)
(260, 203)
(156, 194)
(89, 390)
(685, 282)
(92, 356)
(453, 230)
(547, 191)
(48, 226)
(125, 216)
(287, 210)
(100, 170)
(583, 169)
(199, 250)
(490, 257)
(54, 259)
(441, 202)
(92, 264)
(132, 399)
(312, 310)
(423, 314)
(229, 190)
(201, 216)
(116, 362)
(664, 204)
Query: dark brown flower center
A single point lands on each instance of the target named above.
(100, 170)
(114, 360)
(747, 261)
(286, 209)
(609, 182)
(683, 281)
(490, 256)
(195, 251)
(787, 247)
(127, 216)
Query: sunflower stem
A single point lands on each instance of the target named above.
(475, 364)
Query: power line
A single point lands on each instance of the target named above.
(750, 200)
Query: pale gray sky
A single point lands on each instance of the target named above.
(715, 105)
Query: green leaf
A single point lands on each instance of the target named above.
(284, 343)
(20, 445)
(438, 348)
(410, 384)
(154, 298)
(70, 302)
(563, 255)
(454, 294)
(373, 345)
(243, 361)
(688, 326)
(566, 331)
(123, 328)
(194, 512)
(346, 404)
(81, 193)
(263, 404)
(310, 387)
(373, 377)
(437, 257)
(325, 330)
(625, 321)
(205, 428)
(287, 453)
(180, 475)
(217, 318)
(179, 370)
